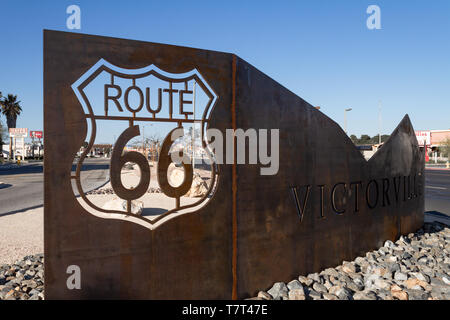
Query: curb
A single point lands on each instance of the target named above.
(436, 168)
(433, 217)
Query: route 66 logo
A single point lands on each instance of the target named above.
(148, 96)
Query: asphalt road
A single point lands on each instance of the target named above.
(23, 187)
(26, 186)
(437, 191)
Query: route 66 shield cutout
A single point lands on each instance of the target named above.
(132, 100)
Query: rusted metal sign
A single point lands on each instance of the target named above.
(324, 204)
(138, 81)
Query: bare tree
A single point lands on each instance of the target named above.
(154, 142)
(3, 137)
(445, 148)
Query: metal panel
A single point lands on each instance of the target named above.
(255, 229)
(186, 257)
(278, 239)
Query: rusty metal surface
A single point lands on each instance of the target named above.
(118, 161)
(326, 203)
(186, 257)
(345, 205)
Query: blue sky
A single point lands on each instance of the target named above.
(320, 50)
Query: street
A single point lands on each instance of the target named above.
(437, 191)
(23, 187)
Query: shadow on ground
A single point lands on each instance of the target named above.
(30, 169)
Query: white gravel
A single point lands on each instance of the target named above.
(21, 234)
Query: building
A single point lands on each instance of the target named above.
(368, 150)
(30, 150)
(434, 141)
(97, 150)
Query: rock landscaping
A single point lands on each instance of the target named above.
(416, 267)
(23, 280)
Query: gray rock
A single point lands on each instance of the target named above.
(355, 276)
(344, 294)
(353, 286)
(330, 272)
(319, 287)
(389, 244)
(262, 294)
(372, 277)
(35, 297)
(382, 284)
(393, 268)
(33, 292)
(392, 259)
(328, 296)
(421, 276)
(334, 280)
(313, 294)
(305, 281)
(348, 268)
(278, 291)
(417, 294)
(406, 256)
(294, 284)
(399, 276)
(384, 294)
(314, 276)
(438, 295)
(365, 295)
(297, 294)
(327, 285)
(345, 278)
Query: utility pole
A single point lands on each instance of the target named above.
(32, 145)
(143, 138)
(345, 116)
(379, 122)
(193, 128)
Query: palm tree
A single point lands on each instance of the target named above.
(2, 130)
(3, 134)
(11, 109)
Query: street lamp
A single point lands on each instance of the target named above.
(345, 114)
(144, 144)
(193, 127)
(379, 122)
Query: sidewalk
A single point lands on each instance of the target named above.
(7, 165)
(436, 166)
